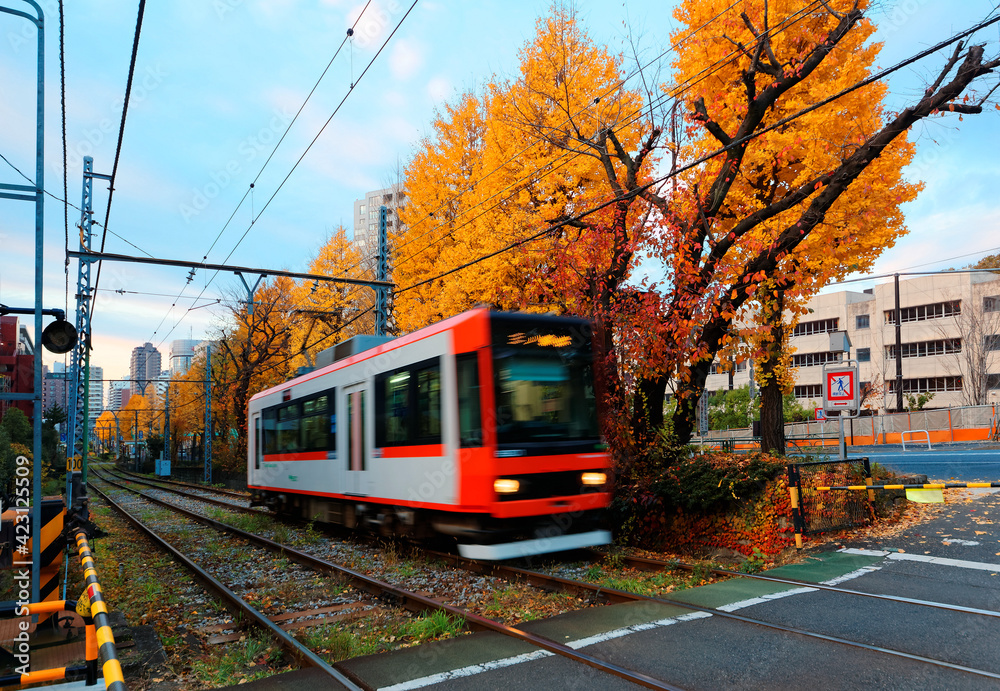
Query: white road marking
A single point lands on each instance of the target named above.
(926, 558)
(967, 543)
(472, 670)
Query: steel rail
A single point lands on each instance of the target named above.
(646, 564)
(192, 485)
(238, 605)
(415, 602)
(611, 595)
(210, 500)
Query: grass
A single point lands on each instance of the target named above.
(239, 663)
(434, 625)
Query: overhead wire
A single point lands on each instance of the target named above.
(121, 136)
(621, 82)
(702, 75)
(62, 104)
(674, 93)
(302, 156)
(249, 192)
(881, 74)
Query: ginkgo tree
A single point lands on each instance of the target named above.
(776, 191)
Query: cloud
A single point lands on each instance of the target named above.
(440, 88)
(406, 58)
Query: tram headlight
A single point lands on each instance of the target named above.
(594, 479)
(506, 485)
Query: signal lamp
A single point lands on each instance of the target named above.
(594, 479)
(59, 336)
(506, 485)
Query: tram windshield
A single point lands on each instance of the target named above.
(544, 397)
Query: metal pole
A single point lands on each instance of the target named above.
(842, 446)
(208, 413)
(381, 293)
(166, 425)
(899, 351)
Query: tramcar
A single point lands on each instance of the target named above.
(482, 427)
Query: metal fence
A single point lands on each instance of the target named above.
(966, 423)
(820, 512)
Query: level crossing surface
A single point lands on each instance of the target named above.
(954, 559)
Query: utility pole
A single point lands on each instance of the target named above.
(166, 425)
(899, 351)
(79, 403)
(382, 293)
(208, 413)
(135, 440)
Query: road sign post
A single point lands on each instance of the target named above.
(841, 395)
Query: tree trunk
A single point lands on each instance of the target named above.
(647, 410)
(772, 418)
(688, 393)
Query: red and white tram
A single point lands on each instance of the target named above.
(482, 427)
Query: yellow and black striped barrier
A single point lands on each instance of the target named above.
(91, 604)
(932, 485)
(21, 647)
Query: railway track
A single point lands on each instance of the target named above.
(386, 592)
(598, 594)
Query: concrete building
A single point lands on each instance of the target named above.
(55, 391)
(58, 390)
(95, 395)
(119, 393)
(366, 213)
(180, 355)
(17, 362)
(950, 336)
(145, 365)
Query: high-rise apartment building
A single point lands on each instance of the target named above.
(366, 214)
(55, 388)
(95, 394)
(146, 365)
(181, 353)
(17, 362)
(119, 393)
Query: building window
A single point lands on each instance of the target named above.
(945, 346)
(921, 313)
(362, 208)
(991, 342)
(816, 359)
(928, 384)
(820, 326)
(991, 303)
(813, 391)
(862, 321)
(864, 354)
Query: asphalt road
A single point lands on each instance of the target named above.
(952, 462)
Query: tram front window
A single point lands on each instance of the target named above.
(544, 397)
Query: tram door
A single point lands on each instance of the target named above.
(357, 441)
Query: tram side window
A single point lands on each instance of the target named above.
(288, 428)
(408, 405)
(270, 431)
(470, 427)
(318, 423)
(429, 404)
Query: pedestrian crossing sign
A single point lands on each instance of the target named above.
(840, 389)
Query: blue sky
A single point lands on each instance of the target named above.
(217, 81)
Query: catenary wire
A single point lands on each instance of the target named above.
(250, 188)
(674, 94)
(121, 135)
(302, 156)
(734, 144)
